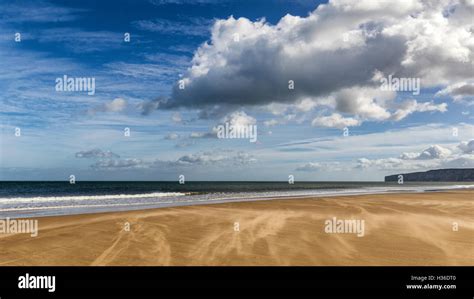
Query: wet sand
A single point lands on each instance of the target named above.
(400, 229)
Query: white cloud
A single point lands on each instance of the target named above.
(390, 164)
(311, 166)
(321, 166)
(96, 153)
(432, 157)
(306, 105)
(215, 158)
(116, 105)
(466, 161)
(199, 135)
(459, 92)
(239, 119)
(467, 147)
(172, 136)
(432, 152)
(332, 55)
(270, 122)
(368, 103)
(209, 158)
(109, 164)
(335, 121)
(408, 107)
(396, 164)
(177, 118)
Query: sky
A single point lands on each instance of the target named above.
(307, 75)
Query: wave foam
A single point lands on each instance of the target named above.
(89, 197)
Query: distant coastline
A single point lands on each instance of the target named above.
(437, 175)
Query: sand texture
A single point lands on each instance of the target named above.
(400, 229)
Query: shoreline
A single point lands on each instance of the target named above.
(99, 209)
(400, 229)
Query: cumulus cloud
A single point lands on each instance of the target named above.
(368, 103)
(177, 118)
(320, 166)
(335, 121)
(311, 166)
(239, 119)
(331, 56)
(96, 154)
(118, 164)
(172, 136)
(432, 152)
(116, 105)
(467, 147)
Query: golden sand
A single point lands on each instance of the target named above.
(400, 229)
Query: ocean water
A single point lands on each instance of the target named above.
(37, 199)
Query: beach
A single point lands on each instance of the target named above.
(426, 228)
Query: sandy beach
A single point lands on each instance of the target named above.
(400, 229)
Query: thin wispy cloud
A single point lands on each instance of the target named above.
(37, 12)
(187, 26)
(80, 41)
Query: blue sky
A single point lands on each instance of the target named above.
(334, 53)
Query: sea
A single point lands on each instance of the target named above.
(39, 199)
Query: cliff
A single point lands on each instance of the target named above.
(438, 175)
